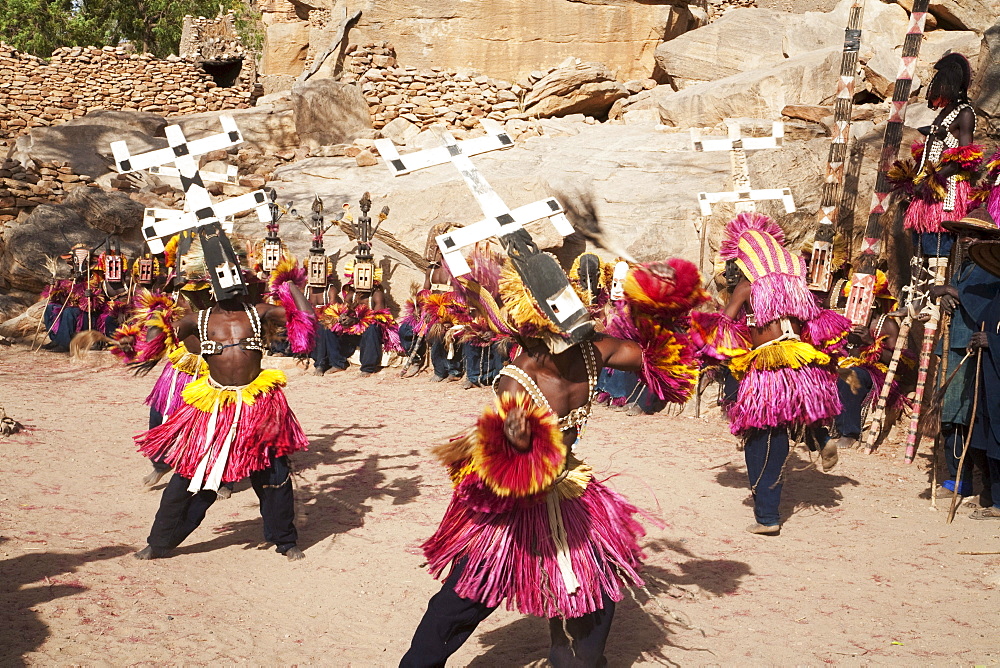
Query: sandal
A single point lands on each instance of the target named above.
(990, 513)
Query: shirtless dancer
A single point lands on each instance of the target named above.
(528, 522)
(234, 423)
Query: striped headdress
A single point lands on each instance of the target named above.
(778, 278)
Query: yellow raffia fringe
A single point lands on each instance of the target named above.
(202, 395)
(578, 476)
(781, 355)
(187, 362)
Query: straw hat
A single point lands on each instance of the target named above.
(987, 255)
(978, 221)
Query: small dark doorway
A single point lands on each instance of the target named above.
(223, 72)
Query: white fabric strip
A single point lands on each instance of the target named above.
(559, 537)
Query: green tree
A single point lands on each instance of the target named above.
(39, 26)
(36, 26)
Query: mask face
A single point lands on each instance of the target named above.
(733, 274)
(618, 281)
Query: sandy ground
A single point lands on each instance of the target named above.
(864, 573)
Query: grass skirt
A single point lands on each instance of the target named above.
(180, 369)
(512, 555)
(784, 383)
(265, 424)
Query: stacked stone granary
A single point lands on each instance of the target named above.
(36, 92)
(425, 96)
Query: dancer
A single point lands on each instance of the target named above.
(529, 524)
(778, 346)
(938, 180)
(986, 433)
(435, 310)
(234, 421)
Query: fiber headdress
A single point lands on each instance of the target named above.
(755, 243)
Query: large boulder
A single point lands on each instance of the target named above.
(750, 39)
(645, 184)
(578, 88)
(88, 215)
(807, 79)
(85, 143)
(268, 128)
(977, 15)
(327, 112)
(881, 68)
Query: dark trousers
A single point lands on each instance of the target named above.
(451, 619)
(848, 422)
(181, 512)
(65, 329)
(991, 482)
(342, 346)
(482, 363)
(444, 367)
(953, 436)
(155, 420)
(413, 345)
(765, 451)
(325, 339)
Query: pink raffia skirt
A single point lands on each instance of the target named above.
(222, 434)
(926, 215)
(512, 555)
(785, 383)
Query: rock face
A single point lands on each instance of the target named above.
(977, 15)
(645, 184)
(986, 87)
(267, 128)
(509, 38)
(287, 48)
(580, 88)
(327, 112)
(802, 80)
(87, 215)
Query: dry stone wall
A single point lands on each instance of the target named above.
(425, 96)
(23, 188)
(36, 92)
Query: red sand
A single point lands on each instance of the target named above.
(863, 573)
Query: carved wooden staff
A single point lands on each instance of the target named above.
(820, 266)
(933, 310)
(864, 278)
(878, 414)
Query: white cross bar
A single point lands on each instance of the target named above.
(500, 219)
(736, 142)
(179, 147)
(231, 176)
(496, 139)
(463, 237)
(706, 200)
(160, 224)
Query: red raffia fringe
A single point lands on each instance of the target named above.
(512, 557)
(266, 425)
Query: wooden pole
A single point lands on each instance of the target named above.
(968, 435)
